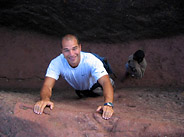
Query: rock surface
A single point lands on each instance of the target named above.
(139, 112)
(100, 21)
(25, 57)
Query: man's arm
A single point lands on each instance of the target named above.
(108, 96)
(45, 95)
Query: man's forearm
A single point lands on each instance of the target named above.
(45, 93)
(108, 93)
(107, 88)
(108, 97)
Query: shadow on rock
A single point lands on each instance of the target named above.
(12, 126)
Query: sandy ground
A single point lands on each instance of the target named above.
(139, 112)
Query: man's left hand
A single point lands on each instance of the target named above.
(107, 111)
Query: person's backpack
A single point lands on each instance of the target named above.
(106, 64)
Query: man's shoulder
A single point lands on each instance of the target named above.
(89, 59)
(58, 59)
(88, 56)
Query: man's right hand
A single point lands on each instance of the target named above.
(40, 105)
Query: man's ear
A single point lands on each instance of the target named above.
(80, 46)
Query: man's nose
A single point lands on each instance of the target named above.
(71, 52)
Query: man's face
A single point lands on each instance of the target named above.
(71, 51)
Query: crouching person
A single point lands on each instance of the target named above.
(136, 65)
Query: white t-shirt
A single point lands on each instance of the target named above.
(83, 77)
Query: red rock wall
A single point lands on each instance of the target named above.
(26, 55)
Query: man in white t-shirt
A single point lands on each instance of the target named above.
(82, 71)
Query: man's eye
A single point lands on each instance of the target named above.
(66, 50)
(74, 48)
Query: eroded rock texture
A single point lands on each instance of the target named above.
(102, 21)
(145, 112)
